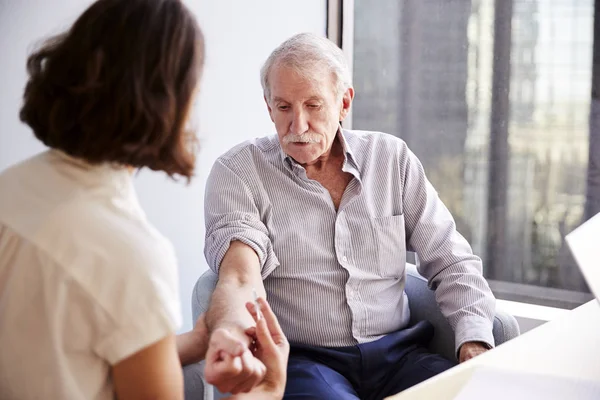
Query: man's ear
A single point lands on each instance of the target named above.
(346, 103)
(269, 108)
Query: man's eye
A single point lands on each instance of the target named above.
(314, 106)
(283, 108)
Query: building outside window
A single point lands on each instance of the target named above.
(494, 97)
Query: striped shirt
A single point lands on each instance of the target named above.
(337, 277)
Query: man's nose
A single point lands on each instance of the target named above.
(299, 123)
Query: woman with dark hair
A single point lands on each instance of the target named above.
(89, 300)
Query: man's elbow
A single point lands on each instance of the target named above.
(240, 266)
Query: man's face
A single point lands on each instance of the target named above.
(306, 112)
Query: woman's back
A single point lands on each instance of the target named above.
(88, 289)
(85, 281)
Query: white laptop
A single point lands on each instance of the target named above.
(584, 243)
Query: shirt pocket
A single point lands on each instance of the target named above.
(391, 245)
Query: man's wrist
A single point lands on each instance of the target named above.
(470, 346)
(236, 330)
(473, 329)
(487, 346)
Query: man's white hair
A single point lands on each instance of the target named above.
(305, 53)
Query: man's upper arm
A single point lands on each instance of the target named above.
(430, 228)
(231, 214)
(446, 259)
(152, 373)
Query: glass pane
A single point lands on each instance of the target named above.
(423, 70)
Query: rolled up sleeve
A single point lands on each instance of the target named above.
(231, 215)
(446, 259)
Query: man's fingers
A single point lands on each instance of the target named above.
(221, 373)
(241, 385)
(235, 374)
(223, 364)
(254, 371)
(230, 364)
(213, 354)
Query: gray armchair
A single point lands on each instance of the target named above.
(422, 307)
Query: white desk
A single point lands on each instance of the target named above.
(568, 346)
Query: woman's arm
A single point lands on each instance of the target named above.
(152, 373)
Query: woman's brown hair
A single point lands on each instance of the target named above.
(117, 86)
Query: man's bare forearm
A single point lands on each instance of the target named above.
(239, 273)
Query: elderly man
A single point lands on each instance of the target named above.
(319, 219)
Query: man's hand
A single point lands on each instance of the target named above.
(272, 348)
(230, 365)
(470, 350)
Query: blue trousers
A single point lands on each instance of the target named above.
(367, 371)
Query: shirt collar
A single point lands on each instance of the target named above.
(348, 153)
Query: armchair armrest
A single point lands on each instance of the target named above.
(423, 306)
(203, 290)
(196, 387)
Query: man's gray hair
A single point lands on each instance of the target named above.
(304, 53)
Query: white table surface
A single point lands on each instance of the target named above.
(568, 346)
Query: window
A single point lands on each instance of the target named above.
(496, 104)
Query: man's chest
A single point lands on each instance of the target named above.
(334, 184)
(363, 232)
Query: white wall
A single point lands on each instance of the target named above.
(239, 33)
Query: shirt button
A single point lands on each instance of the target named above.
(344, 259)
